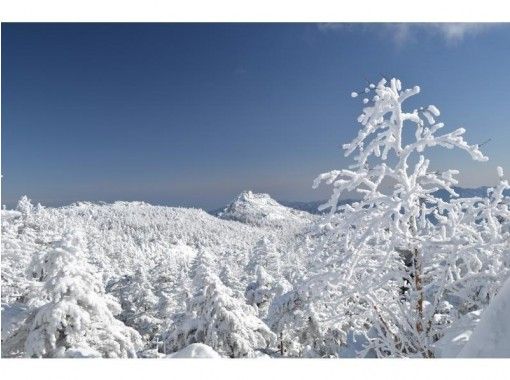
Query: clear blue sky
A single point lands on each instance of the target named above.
(192, 114)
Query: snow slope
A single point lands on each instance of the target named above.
(457, 336)
(491, 338)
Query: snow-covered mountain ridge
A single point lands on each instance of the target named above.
(123, 233)
(123, 238)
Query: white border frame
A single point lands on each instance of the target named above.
(254, 11)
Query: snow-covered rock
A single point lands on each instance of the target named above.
(195, 350)
(491, 338)
(262, 210)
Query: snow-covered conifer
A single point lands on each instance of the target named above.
(265, 254)
(259, 293)
(25, 206)
(216, 318)
(75, 317)
(138, 303)
(172, 290)
(265, 269)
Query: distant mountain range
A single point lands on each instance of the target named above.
(467, 192)
(313, 206)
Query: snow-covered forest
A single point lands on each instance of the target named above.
(401, 271)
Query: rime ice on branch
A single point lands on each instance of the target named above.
(381, 134)
(390, 237)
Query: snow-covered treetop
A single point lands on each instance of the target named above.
(265, 254)
(76, 317)
(25, 205)
(382, 128)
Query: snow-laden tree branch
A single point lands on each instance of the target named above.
(400, 241)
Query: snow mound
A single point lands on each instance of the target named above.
(457, 335)
(262, 210)
(491, 338)
(195, 350)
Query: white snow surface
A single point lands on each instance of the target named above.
(195, 350)
(457, 336)
(491, 338)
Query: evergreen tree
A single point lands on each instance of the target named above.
(265, 254)
(138, 303)
(76, 317)
(216, 318)
(25, 206)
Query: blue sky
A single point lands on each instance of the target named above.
(192, 114)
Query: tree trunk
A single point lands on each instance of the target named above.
(419, 289)
(418, 283)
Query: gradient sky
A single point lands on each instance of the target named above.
(192, 114)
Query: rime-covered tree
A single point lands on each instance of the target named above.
(264, 289)
(138, 303)
(308, 320)
(287, 317)
(267, 280)
(265, 254)
(229, 279)
(74, 316)
(478, 253)
(25, 206)
(216, 318)
(386, 235)
(263, 269)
